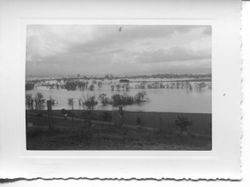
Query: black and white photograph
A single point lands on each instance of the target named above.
(118, 87)
(123, 91)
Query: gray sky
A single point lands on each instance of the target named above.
(63, 50)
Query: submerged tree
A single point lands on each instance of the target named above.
(70, 85)
(112, 88)
(90, 103)
(104, 99)
(29, 101)
(91, 87)
(99, 84)
(71, 103)
(121, 101)
(140, 97)
(118, 86)
(39, 101)
(50, 103)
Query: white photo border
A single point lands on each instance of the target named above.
(223, 161)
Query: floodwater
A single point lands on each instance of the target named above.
(187, 100)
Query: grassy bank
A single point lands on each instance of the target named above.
(154, 131)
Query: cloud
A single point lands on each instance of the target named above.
(112, 38)
(50, 40)
(86, 49)
(174, 54)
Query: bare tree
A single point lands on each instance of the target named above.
(89, 102)
(71, 103)
(120, 101)
(29, 101)
(39, 101)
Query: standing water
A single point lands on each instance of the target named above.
(187, 97)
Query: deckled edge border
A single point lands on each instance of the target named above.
(11, 180)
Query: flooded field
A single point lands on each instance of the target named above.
(161, 95)
(119, 87)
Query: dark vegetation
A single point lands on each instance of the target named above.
(84, 83)
(164, 131)
(38, 102)
(29, 86)
(88, 129)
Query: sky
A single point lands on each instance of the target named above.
(68, 50)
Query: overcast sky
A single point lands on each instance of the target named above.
(57, 50)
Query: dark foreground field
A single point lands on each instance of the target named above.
(149, 131)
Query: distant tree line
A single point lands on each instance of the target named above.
(163, 75)
(29, 86)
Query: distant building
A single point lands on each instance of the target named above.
(124, 81)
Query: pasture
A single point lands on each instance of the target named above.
(139, 131)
